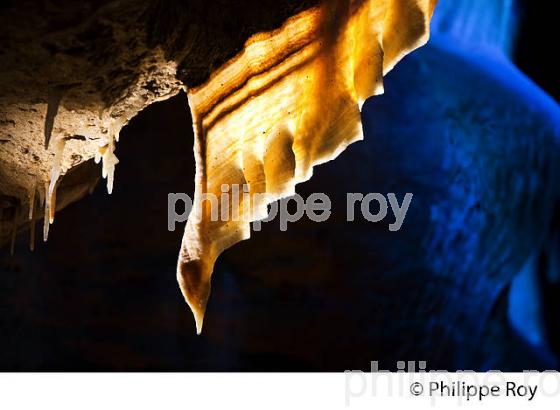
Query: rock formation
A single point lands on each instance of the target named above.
(274, 88)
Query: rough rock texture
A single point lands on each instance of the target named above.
(75, 73)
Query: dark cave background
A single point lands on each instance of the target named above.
(101, 294)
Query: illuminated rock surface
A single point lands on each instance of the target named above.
(73, 77)
(73, 74)
(291, 100)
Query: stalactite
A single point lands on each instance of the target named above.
(55, 175)
(53, 101)
(50, 187)
(32, 235)
(52, 207)
(289, 101)
(110, 160)
(31, 197)
(41, 194)
(47, 216)
(106, 153)
(56, 170)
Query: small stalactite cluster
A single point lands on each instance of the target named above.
(42, 194)
(106, 155)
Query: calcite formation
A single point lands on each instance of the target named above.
(264, 113)
(291, 100)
